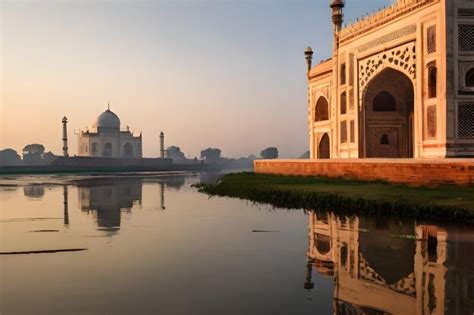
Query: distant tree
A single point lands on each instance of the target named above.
(252, 157)
(211, 154)
(173, 152)
(33, 153)
(9, 157)
(49, 157)
(34, 148)
(305, 155)
(269, 153)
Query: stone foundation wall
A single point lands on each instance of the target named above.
(407, 171)
(82, 161)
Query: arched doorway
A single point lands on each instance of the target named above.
(324, 148)
(388, 116)
(128, 150)
(108, 149)
(321, 111)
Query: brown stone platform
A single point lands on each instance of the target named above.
(408, 171)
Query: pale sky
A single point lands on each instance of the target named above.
(226, 74)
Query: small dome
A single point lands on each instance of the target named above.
(108, 119)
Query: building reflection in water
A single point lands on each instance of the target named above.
(387, 267)
(66, 205)
(34, 191)
(109, 197)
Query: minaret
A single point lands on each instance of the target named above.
(308, 54)
(162, 145)
(337, 18)
(65, 136)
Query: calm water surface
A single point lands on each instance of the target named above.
(155, 245)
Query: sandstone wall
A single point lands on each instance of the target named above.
(409, 171)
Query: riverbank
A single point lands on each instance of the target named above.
(57, 169)
(298, 192)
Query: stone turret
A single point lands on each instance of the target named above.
(337, 15)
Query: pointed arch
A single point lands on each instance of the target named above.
(321, 110)
(387, 115)
(324, 148)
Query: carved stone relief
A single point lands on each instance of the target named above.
(410, 29)
(431, 121)
(401, 58)
(466, 121)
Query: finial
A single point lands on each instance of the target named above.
(108, 104)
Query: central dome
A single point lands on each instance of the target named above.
(108, 119)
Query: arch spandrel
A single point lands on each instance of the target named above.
(401, 58)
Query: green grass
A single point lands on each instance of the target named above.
(296, 192)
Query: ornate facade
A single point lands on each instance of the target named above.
(106, 139)
(400, 84)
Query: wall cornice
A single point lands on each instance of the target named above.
(396, 10)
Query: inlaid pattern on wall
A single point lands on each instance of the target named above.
(402, 58)
(410, 29)
(431, 121)
(466, 121)
(431, 39)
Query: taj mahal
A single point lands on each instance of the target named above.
(399, 84)
(106, 139)
(107, 145)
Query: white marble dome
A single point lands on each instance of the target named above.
(108, 119)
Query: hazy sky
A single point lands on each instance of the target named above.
(227, 74)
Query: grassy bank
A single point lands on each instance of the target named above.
(453, 203)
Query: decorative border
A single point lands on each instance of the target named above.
(408, 30)
(398, 9)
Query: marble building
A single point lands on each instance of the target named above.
(399, 84)
(106, 139)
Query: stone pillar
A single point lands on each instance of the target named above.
(65, 148)
(162, 145)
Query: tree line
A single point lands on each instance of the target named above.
(35, 154)
(32, 154)
(215, 154)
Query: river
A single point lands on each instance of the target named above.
(143, 244)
